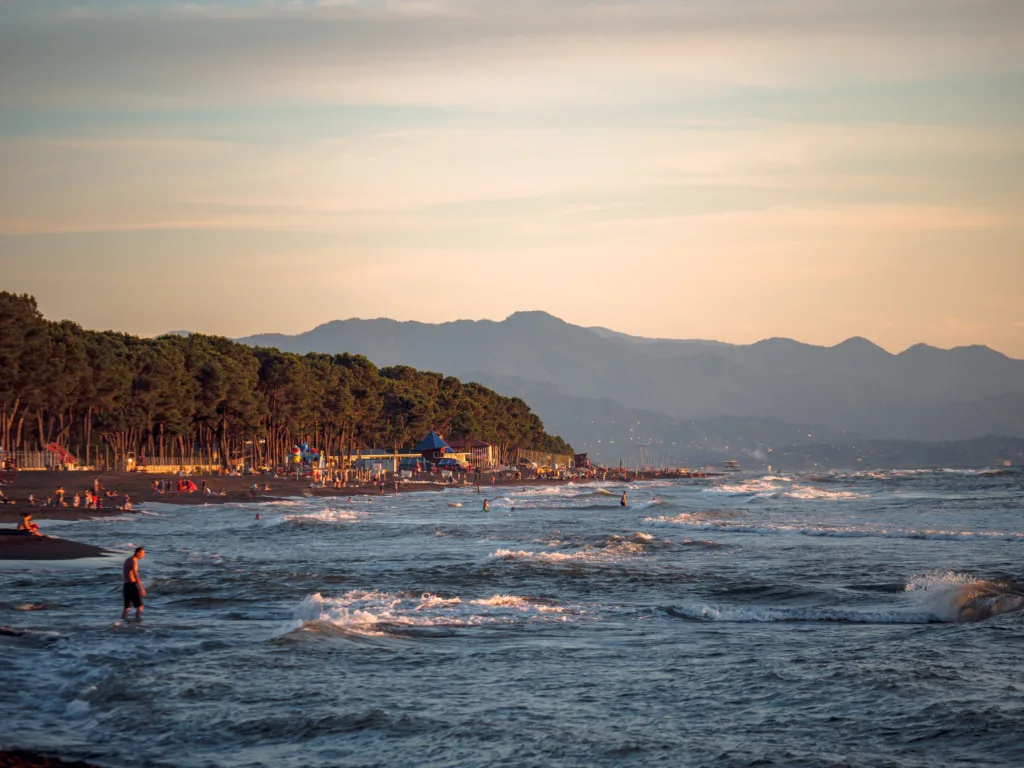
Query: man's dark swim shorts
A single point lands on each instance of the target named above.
(132, 596)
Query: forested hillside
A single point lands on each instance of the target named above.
(182, 395)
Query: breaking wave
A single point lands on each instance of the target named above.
(326, 517)
(928, 599)
(693, 522)
(774, 487)
(613, 549)
(376, 613)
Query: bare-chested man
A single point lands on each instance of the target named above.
(133, 589)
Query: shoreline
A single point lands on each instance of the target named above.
(20, 546)
(236, 491)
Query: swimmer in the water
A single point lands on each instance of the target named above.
(487, 506)
(622, 502)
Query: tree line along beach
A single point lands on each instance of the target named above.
(106, 397)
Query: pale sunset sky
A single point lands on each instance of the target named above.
(721, 169)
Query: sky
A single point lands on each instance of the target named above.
(722, 169)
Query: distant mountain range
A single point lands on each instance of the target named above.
(592, 384)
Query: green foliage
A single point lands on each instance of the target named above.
(177, 396)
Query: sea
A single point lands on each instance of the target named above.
(834, 619)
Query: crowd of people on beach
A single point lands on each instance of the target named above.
(91, 498)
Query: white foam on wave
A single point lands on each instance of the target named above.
(938, 597)
(372, 612)
(327, 516)
(522, 603)
(811, 493)
(776, 487)
(755, 614)
(958, 596)
(542, 490)
(647, 504)
(839, 531)
(616, 548)
(751, 487)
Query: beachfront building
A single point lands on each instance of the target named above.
(477, 452)
(374, 460)
(433, 447)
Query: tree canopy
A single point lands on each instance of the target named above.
(189, 395)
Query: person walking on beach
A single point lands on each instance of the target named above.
(133, 589)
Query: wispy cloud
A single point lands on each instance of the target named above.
(487, 54)
(570, 138)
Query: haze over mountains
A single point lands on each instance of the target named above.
(594, 384)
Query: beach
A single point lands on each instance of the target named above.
(236, 489)
(785, 619)
(139, 486)
(20, 546)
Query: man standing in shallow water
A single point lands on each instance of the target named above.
(133, 589)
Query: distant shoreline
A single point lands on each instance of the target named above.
(236, 491)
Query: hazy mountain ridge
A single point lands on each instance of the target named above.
(609, 430)
(922, 393)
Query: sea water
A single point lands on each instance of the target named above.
(837, 619)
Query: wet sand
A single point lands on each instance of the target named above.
(20, 758)
(20, 546)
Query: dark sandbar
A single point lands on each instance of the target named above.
(20, 546)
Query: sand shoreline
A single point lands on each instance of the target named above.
(21, 546)
(236, 491)
(139, 487)
(24, 758)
